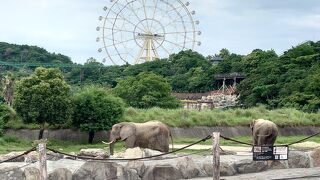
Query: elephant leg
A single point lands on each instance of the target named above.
(130, 142)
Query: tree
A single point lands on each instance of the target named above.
(146, 90)
(95, 109)
(43, 97)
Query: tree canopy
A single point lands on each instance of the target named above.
(96, 109)
(43, 97)
(146, 90)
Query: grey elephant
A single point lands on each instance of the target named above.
(152, 135)
(264, 132)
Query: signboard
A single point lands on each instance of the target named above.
(264, 153)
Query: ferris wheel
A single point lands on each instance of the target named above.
(138, 31)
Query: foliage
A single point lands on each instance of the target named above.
(43, 97)
(146, 90)
(33, 54)
(6, 114)
(291, 80)
(95, 109)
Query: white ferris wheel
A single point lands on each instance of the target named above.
(138, 31)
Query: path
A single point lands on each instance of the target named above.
(283, 174)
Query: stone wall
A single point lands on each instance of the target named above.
(187, 167)
(194, 132)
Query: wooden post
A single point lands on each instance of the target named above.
(42, 160)
(216, 155)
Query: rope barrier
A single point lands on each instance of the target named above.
(315, 134)
(234, 140)
(15, 157)
(129, 159)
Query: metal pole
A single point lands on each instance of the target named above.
(216, 155)
(42, 160)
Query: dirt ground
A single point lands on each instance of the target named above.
(246, 149)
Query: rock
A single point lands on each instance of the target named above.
(226, 169)
(162, 172)
(226, 152)
(51, 156)
(187, 167)
(99, 153)
(69, 157)
(298, 159)
(125, 174)
(60, 174)
(102, 171)
(31, 173)
(277, 164)
(249, 166)
(207, 167)
(11, 173)
(315, 155)
(150, 152)
(11, 155)
(133, 153)
(138, 166)
(32, 157)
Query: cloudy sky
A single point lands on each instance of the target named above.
(68, 26)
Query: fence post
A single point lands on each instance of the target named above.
(42, 159)
(216, 155)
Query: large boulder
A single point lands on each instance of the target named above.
(11, 173)
(52, 156)
(225, 169)
(31, 173)
(138, 166)
(32, 157)
(137, 152)
(249, 166)
(13, 154)
(98, 153)
(315, 155)
(162, 172)
(187, 167)
(60, 174)
(277, 164)
(298, 159)
(102, 171)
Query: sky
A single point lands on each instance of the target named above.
(69, 26)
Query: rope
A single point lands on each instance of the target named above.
(315, 134)
(25, 153)
(129, 159)
(234, 140)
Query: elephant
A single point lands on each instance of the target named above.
(152, 135)
(264, 132)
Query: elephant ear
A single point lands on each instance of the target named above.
(127, 130)
(252, 124)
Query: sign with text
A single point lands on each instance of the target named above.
(264, 153)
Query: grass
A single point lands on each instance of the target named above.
(231, 117)
(9, 144)
(216, 117)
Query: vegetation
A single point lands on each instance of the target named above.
(146, 90)
(231, 117)
(44, 97)
(95, 109)
(290, 80)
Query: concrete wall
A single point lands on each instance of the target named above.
(195, 132)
